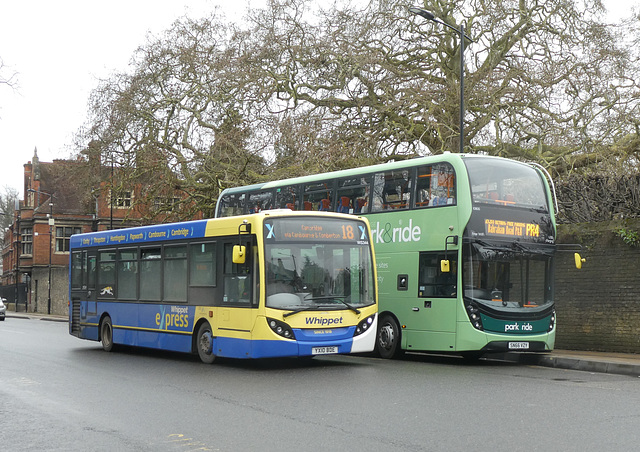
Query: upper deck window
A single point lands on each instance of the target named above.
(317, 196)
(391, 190)
(231, 204)
(286, 197)
(435, 186)
(259, 201)
(353, 195)
(506, 183)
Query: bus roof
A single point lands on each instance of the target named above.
(184, 230)
(446, 157)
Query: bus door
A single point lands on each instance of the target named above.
(235, 314)
(433, 320)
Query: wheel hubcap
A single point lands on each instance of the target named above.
(386, 337)
(205, 343)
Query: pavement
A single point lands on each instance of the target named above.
(587, 361)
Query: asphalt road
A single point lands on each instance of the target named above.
(61, 393)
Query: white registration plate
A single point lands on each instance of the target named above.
(324, 350)
(518, 345)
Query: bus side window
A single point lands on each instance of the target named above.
(150, 273)
(435, 186)
(107, 274)
(432, 282)
(391, 190)
(175, 273)
(231, 204)
(318, 196)
(353, 195)
(78, 275)
(259, 201)
(286, 198)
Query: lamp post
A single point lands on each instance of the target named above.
(51, 225)
(429, 15)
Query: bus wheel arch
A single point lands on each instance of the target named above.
(203, 342)
(389, 337)
(106, 333)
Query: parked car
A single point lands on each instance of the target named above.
(3, 308)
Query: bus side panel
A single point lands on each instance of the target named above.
(231, 347)
(427, 322)
(167, 327)
(429, 340)
(150, 339)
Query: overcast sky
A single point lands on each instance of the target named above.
(61, 48)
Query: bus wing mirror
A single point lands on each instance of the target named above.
(239, 253)
(579, 260)
(444, 266)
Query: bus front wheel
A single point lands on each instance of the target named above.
(388, 341)
(106, 334)
(204, 344)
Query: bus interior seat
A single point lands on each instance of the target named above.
(345, 202)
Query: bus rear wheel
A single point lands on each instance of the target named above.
(106, 334)
(204, 344)
(388, 340)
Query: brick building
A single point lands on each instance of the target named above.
(59, 198)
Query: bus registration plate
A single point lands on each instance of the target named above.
(518, 345)
(324, 350)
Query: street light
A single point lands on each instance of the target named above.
(429, 15)
(51, 224)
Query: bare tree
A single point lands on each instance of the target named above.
(7, 76)
(8, 198)
(303, 89)
(177, 124)
(546, 79)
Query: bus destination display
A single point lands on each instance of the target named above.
(315, 230)
(511, 228)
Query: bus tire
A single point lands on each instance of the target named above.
(388, 339)
(204, 343)
(106, 334)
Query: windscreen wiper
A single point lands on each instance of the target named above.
(529, 250)
(340, 299)
(306, 308)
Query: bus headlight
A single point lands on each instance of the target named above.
(281, 328)
(474, 317)
(364, 325)
(552, 321)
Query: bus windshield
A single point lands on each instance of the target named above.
(507, 278)
(307, 276)
(506, 182)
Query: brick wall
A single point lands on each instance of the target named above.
(598, 307)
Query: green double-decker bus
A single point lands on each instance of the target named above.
(465, 247)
